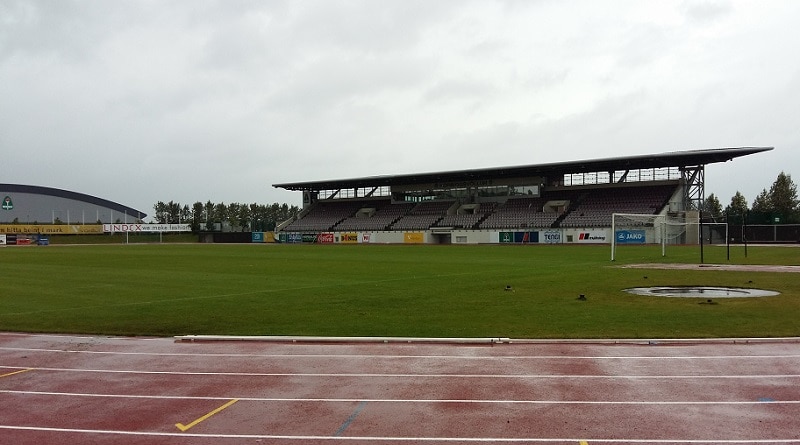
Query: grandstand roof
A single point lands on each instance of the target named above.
(688, 158)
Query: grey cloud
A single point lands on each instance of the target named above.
(251, 93)
(707, 10)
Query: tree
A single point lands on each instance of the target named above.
(780, 203)
(738, 205)
(198, 216)
(208, 212)
(783, 196)
(161, 212)
(712, 207)
(186, 214)
(220, 213)
(762, 202)
(173, 212)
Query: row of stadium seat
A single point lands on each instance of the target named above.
(585, 208)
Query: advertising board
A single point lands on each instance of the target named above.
(324, 238)
(52, 229)
(593, 236)
(630, 236)
(112, 228)
(519, 237)
(414, 237)
(551, 237)
(348, 237)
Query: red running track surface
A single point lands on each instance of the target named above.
(81, 390)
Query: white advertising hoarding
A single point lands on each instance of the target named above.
(146, 228)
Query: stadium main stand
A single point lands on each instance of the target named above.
(558, 201)
(589, 208)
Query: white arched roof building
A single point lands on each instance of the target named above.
(30, 204)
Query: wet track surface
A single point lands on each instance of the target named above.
(74, 389)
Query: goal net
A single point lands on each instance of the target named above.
(638, 229)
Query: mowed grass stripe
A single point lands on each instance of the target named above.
(380, 290)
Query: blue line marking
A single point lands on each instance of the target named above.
(350, 419)
(766, 399)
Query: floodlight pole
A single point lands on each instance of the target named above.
(744, 232)
(727, 236)
(700, 214)
(613, 235)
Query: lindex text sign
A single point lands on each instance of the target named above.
(146, 228)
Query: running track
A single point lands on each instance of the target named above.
(98, 390)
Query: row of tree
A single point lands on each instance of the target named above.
(235, 216)
(778, 204)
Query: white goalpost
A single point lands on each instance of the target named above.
(662, 229)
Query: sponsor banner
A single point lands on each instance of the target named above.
(112, 228)
(519, 237)
(265, 237)
(630, 236)
(526, 237)
(594, 236)
(292, 237)
(366, 237)
(325, 238)
(414, 237)
(348, 237)
(52, 229)
(2, 240)
(309, 237)
(551, 237)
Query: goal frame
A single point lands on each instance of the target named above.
(659, 224)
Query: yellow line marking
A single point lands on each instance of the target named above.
(183, 427)
(16, 372)
(583, 442)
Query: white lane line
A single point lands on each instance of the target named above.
(415, 376)
(422, 401)
(395, 439)
(438, 357)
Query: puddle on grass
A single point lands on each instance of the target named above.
(701, 292)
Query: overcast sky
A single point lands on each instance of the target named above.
(141, 101)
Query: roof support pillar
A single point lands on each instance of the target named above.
(694, 186)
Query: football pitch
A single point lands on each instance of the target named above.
(510, 291)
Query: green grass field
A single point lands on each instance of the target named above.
(386, 290)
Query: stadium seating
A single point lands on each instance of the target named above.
(530, 212)
(324, 215)
(584, 207)
(597, 207)
(423, 215)
(385, 214)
